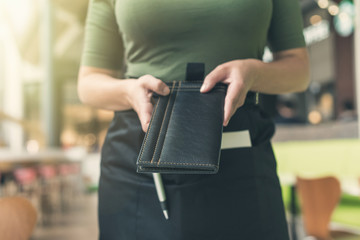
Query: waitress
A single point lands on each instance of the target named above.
(153, 41)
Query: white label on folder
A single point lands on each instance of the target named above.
(238, 139)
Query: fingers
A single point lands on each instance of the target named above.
(217, 75)
(154, 85)
(150, 84)
(144, 114)
(235, 98)
(141, 97)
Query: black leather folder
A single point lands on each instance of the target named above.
(184, 134)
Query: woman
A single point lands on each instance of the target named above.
(153, 41)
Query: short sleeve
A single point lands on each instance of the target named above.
(103, 45)
(286, 27)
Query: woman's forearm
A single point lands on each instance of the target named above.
(101, 90)
(288, 73)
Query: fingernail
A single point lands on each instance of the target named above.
(166, 91)
(226, 122)
(146, 127)
(203, 87)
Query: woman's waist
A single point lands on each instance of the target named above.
(174, 68)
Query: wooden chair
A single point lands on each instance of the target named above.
(17, 218)
(318, 199)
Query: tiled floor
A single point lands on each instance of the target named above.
(79, 223)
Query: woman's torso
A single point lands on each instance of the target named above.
(161, 36)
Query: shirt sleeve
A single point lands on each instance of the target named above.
(103, 45)
(286, 27)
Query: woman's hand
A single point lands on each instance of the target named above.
(139, 97)
(101, 88)
(289, 72)
(239, 75)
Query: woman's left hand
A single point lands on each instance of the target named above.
(239, 75)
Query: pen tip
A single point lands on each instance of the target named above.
(166, 214)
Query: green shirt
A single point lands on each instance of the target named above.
(159, 37)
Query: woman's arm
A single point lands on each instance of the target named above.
(289, 72)
(100, 88)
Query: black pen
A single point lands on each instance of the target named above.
(161, 193)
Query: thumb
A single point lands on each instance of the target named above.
(156, 85)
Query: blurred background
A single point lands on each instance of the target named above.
(50, 142)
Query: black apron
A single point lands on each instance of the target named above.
(242, 201)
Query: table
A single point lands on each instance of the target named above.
(10, 159)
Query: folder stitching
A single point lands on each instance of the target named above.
(192, 164)
(162, 123)
(172, 110)
(148, 133)
(156, 163)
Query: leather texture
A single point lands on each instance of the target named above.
(184, 134)
(195, 71)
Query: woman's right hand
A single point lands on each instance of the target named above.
(140, 94)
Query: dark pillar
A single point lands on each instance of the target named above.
(344, 70)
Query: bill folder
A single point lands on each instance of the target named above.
(184, 134)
